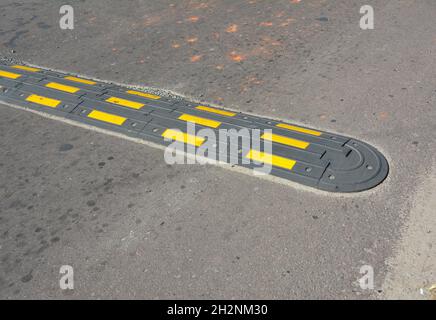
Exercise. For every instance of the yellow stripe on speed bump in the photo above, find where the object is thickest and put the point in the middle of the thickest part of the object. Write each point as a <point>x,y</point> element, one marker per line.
<point>62,87</point>
<point>183,137</point>
<point>80,80</point>
<point>25,68</point>
<point>285,140</point>
<point>106,117</point>
<point>299,129</point>
<point>217,111</point>
<point>143,94</point>
<point>273,160</point>
<point>200,121</point>
<point>125,103</point>
<point>48,102</point>
<point>9,75</point>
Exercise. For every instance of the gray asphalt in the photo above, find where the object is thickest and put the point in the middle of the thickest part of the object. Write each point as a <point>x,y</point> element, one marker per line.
<point>133,227</point>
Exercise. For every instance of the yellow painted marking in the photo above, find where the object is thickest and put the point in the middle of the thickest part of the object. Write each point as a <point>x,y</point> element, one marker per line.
<point>199,120</point>
<point>298,129</point>
<point>143,94</point>
<point>52,103</point>
<point>285,140</point>
<point>62,87</point>
<point>217,111</point>
<point>273,160</point>
<point>25,68</point>
<point>183,137</point>
<point>125,103</point>
<point>106,117</point>
<point>80,80</point>
<point>9,75</point>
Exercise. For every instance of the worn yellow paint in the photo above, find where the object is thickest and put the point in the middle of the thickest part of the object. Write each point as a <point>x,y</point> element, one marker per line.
<point>80,80</point>
<point>143,94</point>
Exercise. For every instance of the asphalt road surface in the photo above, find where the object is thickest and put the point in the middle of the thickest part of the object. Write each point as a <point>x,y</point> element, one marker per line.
<point>132,226</point>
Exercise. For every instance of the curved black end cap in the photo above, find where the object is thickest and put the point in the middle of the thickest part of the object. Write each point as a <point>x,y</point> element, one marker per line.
<point>363,167</point>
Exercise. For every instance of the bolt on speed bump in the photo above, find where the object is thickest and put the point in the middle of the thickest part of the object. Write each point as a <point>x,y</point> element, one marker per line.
<point>307,156</point>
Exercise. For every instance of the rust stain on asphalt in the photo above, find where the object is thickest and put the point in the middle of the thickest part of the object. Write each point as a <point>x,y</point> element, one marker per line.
<point>232,28</point>
<point>201,5</point>
<point>193,19</point>
<point>266,24</point>
<point>287,22</point>
<point>196,58</point>
<point>236,57</point>
<point>192,40</point>
<point>149,21</point>
<point>383,115</point>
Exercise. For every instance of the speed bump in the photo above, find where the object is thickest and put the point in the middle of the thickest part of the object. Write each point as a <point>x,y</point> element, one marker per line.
<point>312,157</point>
